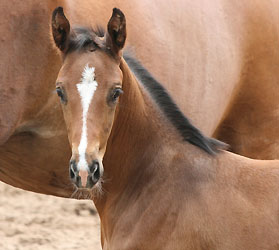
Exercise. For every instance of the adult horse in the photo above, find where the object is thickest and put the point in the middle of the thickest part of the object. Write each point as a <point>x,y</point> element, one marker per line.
<point>33,141</point>
<point>197,49</point>
<point>163,187</point>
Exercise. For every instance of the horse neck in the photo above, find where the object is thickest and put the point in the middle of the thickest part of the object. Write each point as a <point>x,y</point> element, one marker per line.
<point>137,135</point>
<point>145,158</point>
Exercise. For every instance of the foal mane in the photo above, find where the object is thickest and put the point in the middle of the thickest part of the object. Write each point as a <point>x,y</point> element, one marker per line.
<point>160,95</point>
<point>82,37</point>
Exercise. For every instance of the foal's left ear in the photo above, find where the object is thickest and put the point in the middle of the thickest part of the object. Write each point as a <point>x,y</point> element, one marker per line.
<point>116,36</point>
<point>60,28</point>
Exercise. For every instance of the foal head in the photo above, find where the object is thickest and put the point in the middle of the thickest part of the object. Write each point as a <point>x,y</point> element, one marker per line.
<point>89,85</point>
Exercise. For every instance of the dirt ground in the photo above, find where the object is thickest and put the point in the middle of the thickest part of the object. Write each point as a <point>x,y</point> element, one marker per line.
<point>30,221</point>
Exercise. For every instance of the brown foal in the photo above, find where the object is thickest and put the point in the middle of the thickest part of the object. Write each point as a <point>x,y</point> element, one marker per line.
<point>164,185</point>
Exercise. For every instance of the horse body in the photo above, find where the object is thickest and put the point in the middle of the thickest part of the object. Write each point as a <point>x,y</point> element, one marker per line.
<point>255,98</point>
<point>34,146</point>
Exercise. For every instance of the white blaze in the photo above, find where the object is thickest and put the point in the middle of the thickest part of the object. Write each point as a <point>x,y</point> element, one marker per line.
<point>86,89</point>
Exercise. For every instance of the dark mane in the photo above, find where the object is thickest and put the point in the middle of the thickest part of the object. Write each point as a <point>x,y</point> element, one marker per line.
<point>82,37</point>
<point>188,132</point>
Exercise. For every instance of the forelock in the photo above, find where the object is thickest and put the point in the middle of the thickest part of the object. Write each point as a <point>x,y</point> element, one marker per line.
<point>83,37</point>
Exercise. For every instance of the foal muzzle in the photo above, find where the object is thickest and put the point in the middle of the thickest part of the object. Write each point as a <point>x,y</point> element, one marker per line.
<point>85,178</point>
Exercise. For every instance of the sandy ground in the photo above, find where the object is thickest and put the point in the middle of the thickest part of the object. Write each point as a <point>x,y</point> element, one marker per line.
<point>32,221</point>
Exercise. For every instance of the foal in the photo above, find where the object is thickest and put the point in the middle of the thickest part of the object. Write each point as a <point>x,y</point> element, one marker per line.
<point>166,186</point>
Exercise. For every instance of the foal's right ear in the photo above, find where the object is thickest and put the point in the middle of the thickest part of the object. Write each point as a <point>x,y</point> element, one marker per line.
<point>60,28</point>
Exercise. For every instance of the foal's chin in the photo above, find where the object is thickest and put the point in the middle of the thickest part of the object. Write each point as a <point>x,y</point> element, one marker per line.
<point>88,193</point>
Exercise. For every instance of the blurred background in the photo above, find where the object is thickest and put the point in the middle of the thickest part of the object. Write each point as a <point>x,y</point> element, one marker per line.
<point>30,221</point>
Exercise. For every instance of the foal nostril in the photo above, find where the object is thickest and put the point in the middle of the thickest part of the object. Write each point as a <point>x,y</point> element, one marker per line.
<point>85,178</point>
<point>95,175</point>
<point>72,174</point>
<point>93,167</point>
<point>73,169</point>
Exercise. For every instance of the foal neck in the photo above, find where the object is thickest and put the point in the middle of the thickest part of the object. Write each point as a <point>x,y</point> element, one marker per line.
<point>136,131</point>
<point>144,160</point>
<point>136,135</point>
<point>141,141</point>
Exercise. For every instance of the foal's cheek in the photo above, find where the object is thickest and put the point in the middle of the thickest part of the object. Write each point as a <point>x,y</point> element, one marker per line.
<point>107,130</point>
<point>107,127</point>
<point>73,128</point>
<point>110,119</point>
<point>68,124</point>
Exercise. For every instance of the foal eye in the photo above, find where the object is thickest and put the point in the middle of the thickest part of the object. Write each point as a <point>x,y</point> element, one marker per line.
<point>60,93</point>
<point>115,94</point>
